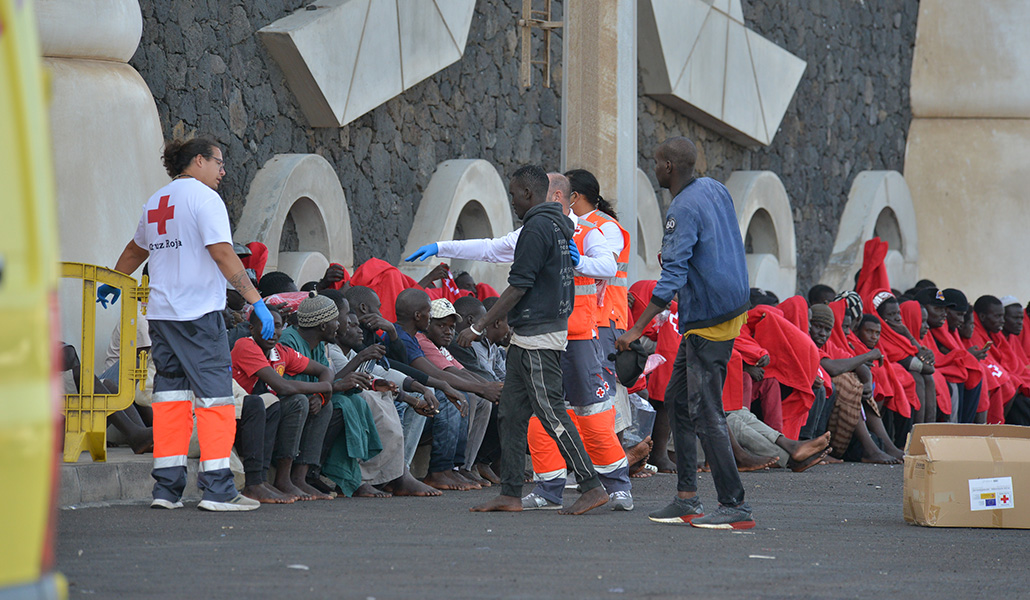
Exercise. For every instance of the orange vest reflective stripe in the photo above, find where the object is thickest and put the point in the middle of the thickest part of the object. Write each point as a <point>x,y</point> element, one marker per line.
<point>616,304</point>
<point>583,320</point>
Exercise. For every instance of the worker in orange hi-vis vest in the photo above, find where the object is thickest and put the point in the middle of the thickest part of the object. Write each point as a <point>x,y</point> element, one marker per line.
<point>588,396</point>
<point>184,231</point>
<point>587,203</point>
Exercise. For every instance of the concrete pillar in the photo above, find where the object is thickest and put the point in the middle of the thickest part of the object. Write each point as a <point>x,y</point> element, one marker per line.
<point>599,100</point>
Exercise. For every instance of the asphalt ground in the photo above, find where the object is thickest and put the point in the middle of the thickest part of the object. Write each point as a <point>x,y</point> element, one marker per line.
<point>832,532</point>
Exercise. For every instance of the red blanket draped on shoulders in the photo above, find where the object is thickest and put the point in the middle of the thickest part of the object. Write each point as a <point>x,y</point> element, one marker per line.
<point>873,276</point>
<point>793,361</point>
<point>888,389</point>
<point>838,347</point>
<point>912,316</point>
<point>484,291</point>
<point>386,280</point>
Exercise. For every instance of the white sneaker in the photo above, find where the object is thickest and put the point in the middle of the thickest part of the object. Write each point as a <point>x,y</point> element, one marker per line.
<point>621,501</point>
<point>240,502</point>
<point>534,501</point>
<point>162,503</point>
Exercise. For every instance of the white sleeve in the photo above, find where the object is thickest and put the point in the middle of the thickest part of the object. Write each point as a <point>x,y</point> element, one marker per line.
<point>213,220</point>
<point>597,261</point>
<point>613,235</point>
<point>140,237</point>
<point>496,250</point>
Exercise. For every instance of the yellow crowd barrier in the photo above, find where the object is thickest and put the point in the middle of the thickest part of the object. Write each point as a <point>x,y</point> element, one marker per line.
<point>85,413</point>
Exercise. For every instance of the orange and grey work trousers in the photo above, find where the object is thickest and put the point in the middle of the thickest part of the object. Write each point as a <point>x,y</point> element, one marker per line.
<point>193,373</point>
<point>590,406</point>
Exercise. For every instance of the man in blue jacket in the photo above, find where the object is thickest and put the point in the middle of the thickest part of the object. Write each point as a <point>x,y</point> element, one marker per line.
<point>703,262</point>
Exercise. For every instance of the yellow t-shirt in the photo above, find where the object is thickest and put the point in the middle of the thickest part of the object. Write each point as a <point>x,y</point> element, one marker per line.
<point>727,330</point>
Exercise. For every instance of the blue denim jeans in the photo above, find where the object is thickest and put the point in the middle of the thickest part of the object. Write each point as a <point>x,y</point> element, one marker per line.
<point>447,429</point>
<point>412,425</point>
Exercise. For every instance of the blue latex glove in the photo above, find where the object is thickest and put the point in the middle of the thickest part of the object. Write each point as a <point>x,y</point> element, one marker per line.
<point>106,290</point>
<point>574,253</point>
<point>424,252</point>
<point>267,322</point>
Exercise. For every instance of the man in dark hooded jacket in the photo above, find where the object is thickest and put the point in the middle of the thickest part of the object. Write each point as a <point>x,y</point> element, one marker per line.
<point>538,300</point>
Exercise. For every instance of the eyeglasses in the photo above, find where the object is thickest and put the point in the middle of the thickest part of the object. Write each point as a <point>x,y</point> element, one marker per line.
<point>221,163</point>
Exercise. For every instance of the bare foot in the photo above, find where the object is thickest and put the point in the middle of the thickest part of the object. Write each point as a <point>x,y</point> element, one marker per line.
<point>461,477</point>
<point>474,478</point>
<point>271,490</point>
<point>406,485</point>
<point>829,460</point>
<point>367,491</point>
<point>890,449</point>
<point>641,471</point>
<point>803,465</point>
<point>589,500</point>
<point>747,462</point>
<point>310,492</point>
<point>287,489</point>
<point>881,458</point>
<point>262,495</point>
<point>800,451</point>
<point>487,473</point>
<point>501,504</point>
<point>766,462</point>
<point>663,462</point>
<point>639,452</point>
<point>443,480</point>
<point>704,468</point>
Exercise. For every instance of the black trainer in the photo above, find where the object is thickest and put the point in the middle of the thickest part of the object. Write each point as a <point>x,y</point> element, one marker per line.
<point>680,512</point>
<point>727,517</point>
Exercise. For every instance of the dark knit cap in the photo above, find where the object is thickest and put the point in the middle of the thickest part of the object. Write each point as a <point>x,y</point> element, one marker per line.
<point>822,315</point>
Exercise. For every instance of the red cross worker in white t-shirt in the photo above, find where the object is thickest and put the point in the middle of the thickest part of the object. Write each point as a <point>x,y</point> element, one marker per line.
<point>184,232</point>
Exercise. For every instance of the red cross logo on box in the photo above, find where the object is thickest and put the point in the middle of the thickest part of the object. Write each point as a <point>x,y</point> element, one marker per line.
<point>1004,499</point>
<point>161,215</point>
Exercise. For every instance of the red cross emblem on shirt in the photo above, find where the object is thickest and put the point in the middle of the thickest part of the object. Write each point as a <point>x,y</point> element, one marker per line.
<point>1004,499</point>
<point>161,215</point>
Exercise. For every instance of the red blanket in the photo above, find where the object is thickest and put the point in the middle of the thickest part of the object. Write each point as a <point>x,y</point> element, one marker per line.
<point>895,345</point>
<point>838,346</point>
<point>386,280</point>
<point>873,276</point>
<point>1002,364</point>
<point>733,389</point>
<point>665,335</point>
<point>912,315</point>
<point>346,277</point>
<point>888,389</point>
<point>1024,335</point>
<point>484,291</point>
<point>958,364</point>
<point>257,259</point>
<point>794,362</point>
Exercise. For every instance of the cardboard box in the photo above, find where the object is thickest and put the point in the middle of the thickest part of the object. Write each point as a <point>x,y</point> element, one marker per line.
<point>968,476</point>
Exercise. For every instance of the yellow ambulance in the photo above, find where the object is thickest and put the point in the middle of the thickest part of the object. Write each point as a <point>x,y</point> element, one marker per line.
<point>30,409</point>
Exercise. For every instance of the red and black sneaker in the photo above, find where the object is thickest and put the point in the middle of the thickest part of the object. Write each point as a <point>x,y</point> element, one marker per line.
<point>727,517</point>
<point>680,512</point>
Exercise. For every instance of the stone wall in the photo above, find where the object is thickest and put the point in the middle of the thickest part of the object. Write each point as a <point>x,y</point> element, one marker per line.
<point>850,113</point>
<point>210,74</point>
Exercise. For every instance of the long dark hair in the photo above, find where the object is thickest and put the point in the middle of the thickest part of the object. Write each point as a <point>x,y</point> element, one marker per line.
<point>178,153</point>
<point>583,182</point>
